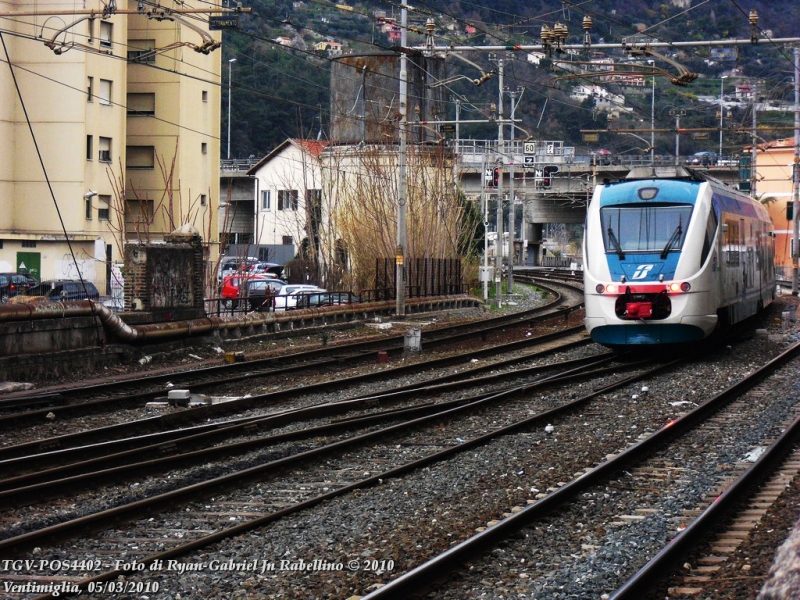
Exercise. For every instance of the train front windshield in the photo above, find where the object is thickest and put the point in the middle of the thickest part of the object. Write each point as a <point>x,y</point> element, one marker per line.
<point>636,228</point>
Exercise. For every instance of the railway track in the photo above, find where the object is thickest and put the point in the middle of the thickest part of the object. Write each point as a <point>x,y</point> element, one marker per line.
<point>65,401</point>
<point>401,453</point>
<point>643,483</point>
<point>70,454</point>
<point>385,503</point>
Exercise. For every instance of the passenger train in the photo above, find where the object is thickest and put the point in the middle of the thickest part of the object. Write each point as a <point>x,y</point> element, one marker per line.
<point>670,260</point>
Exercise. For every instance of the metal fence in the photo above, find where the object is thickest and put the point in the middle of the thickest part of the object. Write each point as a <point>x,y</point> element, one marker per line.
<point>424,277</point>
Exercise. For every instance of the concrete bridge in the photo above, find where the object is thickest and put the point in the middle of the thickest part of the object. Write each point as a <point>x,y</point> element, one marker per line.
<point>551,184</point>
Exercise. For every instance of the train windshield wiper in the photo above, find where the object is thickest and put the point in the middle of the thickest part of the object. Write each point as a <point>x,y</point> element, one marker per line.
<point>672,240</point>
<point>615,243</point>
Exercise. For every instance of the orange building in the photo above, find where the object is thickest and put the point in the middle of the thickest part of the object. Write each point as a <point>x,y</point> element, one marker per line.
<point>774,188</point>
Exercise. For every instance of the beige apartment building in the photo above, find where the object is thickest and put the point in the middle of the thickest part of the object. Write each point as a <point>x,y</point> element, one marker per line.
<point>109,133</point>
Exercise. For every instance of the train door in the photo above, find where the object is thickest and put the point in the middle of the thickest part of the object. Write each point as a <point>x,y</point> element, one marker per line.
<point>732,266</point>
<point>747,263</point>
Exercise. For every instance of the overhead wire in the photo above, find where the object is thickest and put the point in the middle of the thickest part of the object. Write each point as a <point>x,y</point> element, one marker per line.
<point>529,85</point>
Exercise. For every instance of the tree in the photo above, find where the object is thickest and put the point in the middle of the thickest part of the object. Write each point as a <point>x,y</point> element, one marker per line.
<point>363,183</point>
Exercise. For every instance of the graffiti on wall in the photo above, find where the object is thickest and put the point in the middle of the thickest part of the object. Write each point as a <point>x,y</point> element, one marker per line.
<point>171,278</point>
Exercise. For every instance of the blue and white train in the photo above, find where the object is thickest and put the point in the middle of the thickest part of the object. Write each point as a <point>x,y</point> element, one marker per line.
<point>669,260</point>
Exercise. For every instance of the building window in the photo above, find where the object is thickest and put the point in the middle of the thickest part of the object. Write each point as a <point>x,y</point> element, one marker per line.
<point>205,96</point>
<point>104,151</point>
<point>138,216</point>
<point>265,200</point>
<point>287,199</point>
<point>28,244</point>
<point>1,244</point>
<point>287,240</point>
<point>103,207</point>
<point>203,200</point>
<point>106,33</point>
<point>204,148</point>
<point>140,157</point>
<point>90,89</point>
<point>89,147</point>
<point>142,51</point>
<point>87,207</point>
<point>141,104</point>
<point>104,93</point>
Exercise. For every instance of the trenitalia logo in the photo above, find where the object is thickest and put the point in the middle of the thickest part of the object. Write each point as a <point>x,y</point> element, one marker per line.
<point>642,271</point>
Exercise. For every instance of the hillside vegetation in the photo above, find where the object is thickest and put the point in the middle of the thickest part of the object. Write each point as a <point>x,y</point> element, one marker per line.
<point>282,91</point>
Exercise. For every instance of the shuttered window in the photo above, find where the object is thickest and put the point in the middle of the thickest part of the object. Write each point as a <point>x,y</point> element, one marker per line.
<point>142,104</point>
<point>140,157</point>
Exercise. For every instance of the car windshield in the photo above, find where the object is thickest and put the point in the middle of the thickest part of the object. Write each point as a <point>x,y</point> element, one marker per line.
<point>644,228</point>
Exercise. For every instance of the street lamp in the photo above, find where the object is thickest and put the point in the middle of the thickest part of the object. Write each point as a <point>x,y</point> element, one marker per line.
<point>721,110</point>
<point>230,64</point>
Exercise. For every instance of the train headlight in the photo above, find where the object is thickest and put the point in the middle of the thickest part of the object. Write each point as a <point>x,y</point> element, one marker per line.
<point>611,288</point>
<point>676,287</point>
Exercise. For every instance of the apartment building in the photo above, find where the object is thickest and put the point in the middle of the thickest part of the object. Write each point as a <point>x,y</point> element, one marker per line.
<point>109,118</point>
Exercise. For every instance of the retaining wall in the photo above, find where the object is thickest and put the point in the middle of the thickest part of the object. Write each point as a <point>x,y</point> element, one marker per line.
<point>52,344</point>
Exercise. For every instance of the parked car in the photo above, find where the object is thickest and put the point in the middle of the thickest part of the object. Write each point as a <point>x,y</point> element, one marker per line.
<point>260,293</point>
<point>267,268</point>
<point>228,265</point>
<point>318,299</point>
<point>14,284</point>
<point>233,285</point>
<point>61,290</point>
<point>286,299</point>
<point>271,295</point>
<point>704,158</point>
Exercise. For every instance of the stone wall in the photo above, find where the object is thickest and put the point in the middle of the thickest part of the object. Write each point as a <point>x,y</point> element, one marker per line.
<point>166,279</point>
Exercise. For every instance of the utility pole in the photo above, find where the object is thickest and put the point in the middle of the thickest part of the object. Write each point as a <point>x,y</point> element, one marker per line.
<point>230,64</point>
<point>721,109</point>
<point>458,119</point>
<point>796,174</point>
<point>500,148</point>
<point>512,206</point>
<point>678,114</point>
<point>653,120</point>
<point>485,207</point>
<point>754,147</point>
<point>400,279</point>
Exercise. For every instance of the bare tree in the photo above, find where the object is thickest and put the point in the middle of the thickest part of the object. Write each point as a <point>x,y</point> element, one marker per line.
<point>364,186</point>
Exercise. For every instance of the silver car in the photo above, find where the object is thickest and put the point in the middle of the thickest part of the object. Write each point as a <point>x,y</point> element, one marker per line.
<point>286,298</point>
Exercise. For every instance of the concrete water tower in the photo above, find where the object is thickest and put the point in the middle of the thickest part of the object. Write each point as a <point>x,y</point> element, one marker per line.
<point>365,98</point>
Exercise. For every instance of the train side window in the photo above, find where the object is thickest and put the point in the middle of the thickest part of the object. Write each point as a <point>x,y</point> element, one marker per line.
<point>731,242</point>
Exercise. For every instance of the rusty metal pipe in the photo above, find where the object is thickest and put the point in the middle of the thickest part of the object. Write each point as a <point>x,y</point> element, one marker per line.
<point>114,324</point>
<point>158,331</point>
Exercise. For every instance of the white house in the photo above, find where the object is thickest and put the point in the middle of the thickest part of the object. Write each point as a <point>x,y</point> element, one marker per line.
<point>288,202</point>
<point>603,99</point>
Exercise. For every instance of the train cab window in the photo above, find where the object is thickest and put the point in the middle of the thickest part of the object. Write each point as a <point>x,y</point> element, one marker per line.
<point>635,228</point>
<point>708,240</point>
